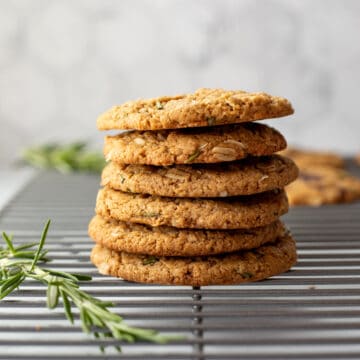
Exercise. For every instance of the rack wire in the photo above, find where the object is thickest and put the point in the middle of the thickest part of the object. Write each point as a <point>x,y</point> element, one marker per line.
<point>311,312</point>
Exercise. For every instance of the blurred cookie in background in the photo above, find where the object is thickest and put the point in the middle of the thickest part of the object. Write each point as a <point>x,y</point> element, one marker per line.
<point>357,159</point>
<point>310,158</point>
<point>323,179</point>
<point>319,185</point>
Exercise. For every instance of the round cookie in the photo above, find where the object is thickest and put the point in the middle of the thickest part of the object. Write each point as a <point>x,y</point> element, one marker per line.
<point>201,145</point>
<point>306,158</point>
<point>205,107</point>
<point>230,213</point>
<point>318,185</point>
<point>241,267</point>
<point>249,176</point>
<point>169,241</point>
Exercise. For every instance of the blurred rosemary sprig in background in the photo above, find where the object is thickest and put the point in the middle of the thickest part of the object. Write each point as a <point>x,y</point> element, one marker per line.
<point>74,157</point>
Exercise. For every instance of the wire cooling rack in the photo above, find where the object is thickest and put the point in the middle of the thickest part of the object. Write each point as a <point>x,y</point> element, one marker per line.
<point>311,312</point>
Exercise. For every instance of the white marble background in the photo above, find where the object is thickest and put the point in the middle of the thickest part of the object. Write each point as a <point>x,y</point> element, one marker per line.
<point>62,62</point>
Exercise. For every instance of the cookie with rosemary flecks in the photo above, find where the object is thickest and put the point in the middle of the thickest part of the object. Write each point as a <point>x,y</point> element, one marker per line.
<point>235,268</point>
<point>191,146</point>
<point>170,241</point>
<point>205,107</point>
<point>242,212</point>
<point>244,177</point>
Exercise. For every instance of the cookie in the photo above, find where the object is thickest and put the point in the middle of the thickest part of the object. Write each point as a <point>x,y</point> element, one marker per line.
<point>241,267</point>
<point>357,159</point>
<point>205,107</point>
<point>248,176</point>
<point>323,185</point>
<point>201,145</point>
<point>229,213</point>
<point>305,158</point>
<point>169,241</point>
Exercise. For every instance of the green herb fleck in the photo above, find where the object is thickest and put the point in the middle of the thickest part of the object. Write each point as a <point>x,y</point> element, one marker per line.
<point>150,260</point>
<point>246,275</point>
<point>150,214</point>
<point>122,179</point>
<point>195,154</point>
<point>159,105</point>
<point>211,121</point>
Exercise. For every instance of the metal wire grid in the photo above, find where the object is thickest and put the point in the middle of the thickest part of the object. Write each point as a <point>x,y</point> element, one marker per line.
<point>311,312</point>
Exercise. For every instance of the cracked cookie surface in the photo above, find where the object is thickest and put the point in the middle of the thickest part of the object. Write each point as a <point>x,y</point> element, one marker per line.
<point>205,107</point>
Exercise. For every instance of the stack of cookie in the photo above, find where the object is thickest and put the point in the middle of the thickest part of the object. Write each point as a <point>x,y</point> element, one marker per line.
<point>193,195</point>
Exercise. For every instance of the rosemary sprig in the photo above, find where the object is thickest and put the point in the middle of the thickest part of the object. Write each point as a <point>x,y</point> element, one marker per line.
<point>64,158</point>
<point>19,263</point>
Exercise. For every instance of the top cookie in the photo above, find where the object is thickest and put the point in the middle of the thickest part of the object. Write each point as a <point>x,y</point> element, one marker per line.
<point>205,107</point>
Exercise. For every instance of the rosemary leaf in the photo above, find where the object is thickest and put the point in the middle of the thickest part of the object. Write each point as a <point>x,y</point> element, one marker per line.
<point>12,282</point>
<point>9,286</point>
<point>67,306</point>
<point>8,240</point>
<point>52,296</point>
<point>41,245</point>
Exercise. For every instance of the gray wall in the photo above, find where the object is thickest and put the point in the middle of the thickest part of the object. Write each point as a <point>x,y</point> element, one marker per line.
<point>63,62</point>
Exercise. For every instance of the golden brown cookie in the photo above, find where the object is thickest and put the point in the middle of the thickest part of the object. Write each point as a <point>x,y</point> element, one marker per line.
<point>241,267</point>
<point>169,241</point>
<point>245,177</point>
<point>206,107</point>
<point>201,145</point>
<point>306,158</point>
<point>323,185</point>
<point>228,213</point>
